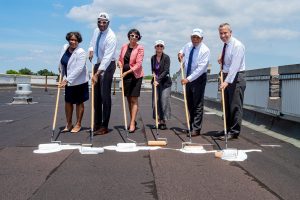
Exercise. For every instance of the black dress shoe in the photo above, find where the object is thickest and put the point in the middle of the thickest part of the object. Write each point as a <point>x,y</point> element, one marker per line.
<point>162,127</point>
<point>219,134</point>
<point>193,134</point>
<point>229,137</point>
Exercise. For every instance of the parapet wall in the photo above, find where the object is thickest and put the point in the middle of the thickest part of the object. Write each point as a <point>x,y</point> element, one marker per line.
<point>13,80</point>
<point>272,95</point>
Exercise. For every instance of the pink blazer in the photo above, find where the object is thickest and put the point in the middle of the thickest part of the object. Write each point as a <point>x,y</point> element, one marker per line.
<point>136,59</point>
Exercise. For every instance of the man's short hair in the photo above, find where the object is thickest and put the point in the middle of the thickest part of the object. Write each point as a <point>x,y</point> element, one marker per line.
<point>225,24</point>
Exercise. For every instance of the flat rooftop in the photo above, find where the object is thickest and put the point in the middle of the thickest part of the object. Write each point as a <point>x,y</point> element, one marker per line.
<point>165,173</point>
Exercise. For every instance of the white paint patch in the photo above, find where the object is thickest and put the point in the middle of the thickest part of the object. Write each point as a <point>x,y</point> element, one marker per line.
<point>240,156</point>
<point>56,147</point>
<point>48,148</point>
<point>91,150</point>
<point>111,148</point>
<point>130,147</point>
<point>148,148</point>
<point>270,145</point>
<point>209,113</point>
<point>126,147</point>
<point>6,121</point>
<point>34,102</point>
<point>193,150</point>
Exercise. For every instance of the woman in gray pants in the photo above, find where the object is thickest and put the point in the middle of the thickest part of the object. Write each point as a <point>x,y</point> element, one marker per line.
<point>160,64</point>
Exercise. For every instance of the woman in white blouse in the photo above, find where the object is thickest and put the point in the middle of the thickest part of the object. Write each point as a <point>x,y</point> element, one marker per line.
<point>75,79</point>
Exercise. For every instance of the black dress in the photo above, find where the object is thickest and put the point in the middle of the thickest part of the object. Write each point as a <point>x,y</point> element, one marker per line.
<point>132,85</point>
<point>76,94</point>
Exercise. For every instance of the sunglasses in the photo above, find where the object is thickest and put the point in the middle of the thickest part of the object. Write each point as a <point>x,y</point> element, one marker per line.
<point>161,46</point>
<point>75,40</point>
<point>134,36</point>
<point>102,22</point>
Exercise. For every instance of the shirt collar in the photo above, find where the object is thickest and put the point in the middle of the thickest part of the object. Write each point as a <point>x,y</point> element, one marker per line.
<point>230,41</point>
<point>196,47</point>
<point>104,31</point>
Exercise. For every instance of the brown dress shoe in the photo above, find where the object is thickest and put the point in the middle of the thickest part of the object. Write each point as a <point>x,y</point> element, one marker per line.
<point>101,131</point>
<point>229,137</point>
<point>194,134</point>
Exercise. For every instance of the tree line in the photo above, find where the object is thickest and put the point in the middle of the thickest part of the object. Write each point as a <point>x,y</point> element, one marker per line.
<point>26,71</point>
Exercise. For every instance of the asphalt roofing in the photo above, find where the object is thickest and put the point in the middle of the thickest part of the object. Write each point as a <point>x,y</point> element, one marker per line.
<point>160,174</point>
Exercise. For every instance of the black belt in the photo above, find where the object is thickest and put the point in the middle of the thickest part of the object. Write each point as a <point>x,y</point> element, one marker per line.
<point>241,72</point>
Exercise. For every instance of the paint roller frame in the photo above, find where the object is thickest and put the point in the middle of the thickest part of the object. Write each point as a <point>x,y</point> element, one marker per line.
<point>52,141</point>
<point>149,143</point>
<point>190,143</point>
<point>159,141</point>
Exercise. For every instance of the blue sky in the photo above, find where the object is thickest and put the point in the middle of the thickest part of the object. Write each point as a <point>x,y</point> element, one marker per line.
<point>32,32</point>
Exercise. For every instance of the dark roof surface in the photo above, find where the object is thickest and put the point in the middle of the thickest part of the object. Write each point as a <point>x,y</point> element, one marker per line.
<point>161,174</point>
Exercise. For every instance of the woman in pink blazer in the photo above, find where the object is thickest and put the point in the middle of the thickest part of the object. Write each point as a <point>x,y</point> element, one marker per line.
<point>130,60</point>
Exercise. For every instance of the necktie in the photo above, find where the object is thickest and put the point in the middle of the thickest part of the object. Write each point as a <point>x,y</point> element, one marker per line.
<point>97,44</point>
<point>223,54</point>
<point>189,67</point>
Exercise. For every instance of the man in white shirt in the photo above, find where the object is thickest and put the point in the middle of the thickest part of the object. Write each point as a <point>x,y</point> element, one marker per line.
<point>233,66</point>
<point>103,46</point>
<point>195,55</point>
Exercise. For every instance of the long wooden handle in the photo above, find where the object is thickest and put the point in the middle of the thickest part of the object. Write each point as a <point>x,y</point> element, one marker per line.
<point>223,102</point>
<point>184,96</point>
<point>57,101</point>
<point>123,99</point>
<point>155,100</point>
<point>92,102</point>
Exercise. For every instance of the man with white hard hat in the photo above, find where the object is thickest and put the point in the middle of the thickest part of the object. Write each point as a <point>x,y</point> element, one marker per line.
<point>103,47</point>
<point>195,55</point>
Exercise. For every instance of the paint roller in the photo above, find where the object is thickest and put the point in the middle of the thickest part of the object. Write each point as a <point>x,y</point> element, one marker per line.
<point>188,145</point>
<point>230,153</point>
<point>158,140</point>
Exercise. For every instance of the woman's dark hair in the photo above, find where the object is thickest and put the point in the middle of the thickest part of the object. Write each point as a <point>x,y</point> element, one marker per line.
<point>135,31</point>
<point>76,34</point>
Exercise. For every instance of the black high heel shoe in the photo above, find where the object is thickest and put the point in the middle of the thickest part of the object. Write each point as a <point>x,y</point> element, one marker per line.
<point>132,131</point>
<point>135,124</point>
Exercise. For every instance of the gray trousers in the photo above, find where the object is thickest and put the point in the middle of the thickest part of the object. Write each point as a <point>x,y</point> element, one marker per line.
<point>163,102</point>
<point>195,100</point>
<point>234,97</point>
<point>102,98</point>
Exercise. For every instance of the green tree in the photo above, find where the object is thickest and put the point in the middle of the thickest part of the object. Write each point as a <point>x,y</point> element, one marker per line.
<point>148,77</point>
<point>45,72</point>
<point>11,72</point>
<point>25,71</point>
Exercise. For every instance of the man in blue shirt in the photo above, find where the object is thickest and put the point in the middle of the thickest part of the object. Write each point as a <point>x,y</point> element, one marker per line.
<point>195,55</point>
<point>103,46</point>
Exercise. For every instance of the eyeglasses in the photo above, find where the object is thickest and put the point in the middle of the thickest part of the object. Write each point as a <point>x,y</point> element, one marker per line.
<point>102,22</point>
<point>134,36</point>
<point>161,46</point>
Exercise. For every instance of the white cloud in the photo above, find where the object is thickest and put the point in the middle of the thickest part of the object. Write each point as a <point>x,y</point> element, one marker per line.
<point>283,34</point>
<point>173,21</point>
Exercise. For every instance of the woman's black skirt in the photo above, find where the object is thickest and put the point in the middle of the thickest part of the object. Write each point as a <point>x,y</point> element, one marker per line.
<point>132,86</point>
<point>77,94</point>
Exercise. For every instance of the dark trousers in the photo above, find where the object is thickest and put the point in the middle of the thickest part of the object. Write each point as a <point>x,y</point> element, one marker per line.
<point>102,92</point>
<point>195,100</point>
<point>234,97</point>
